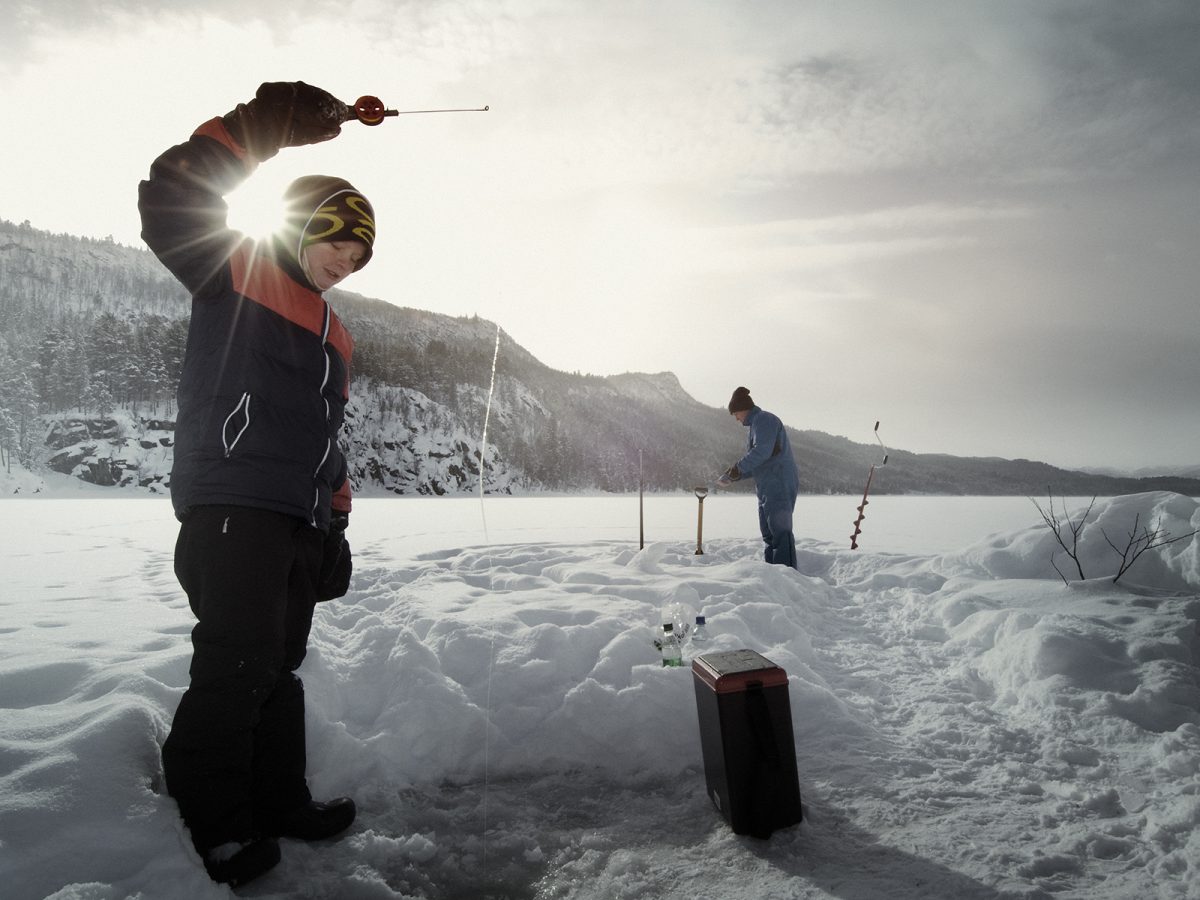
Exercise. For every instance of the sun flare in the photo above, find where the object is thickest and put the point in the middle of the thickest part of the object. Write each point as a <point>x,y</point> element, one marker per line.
<point>255,209</point>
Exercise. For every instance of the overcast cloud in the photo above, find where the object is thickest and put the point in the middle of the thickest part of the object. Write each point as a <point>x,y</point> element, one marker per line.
<point>976,222</point>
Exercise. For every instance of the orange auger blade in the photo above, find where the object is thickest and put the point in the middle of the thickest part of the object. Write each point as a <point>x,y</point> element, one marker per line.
<point>862,508</point>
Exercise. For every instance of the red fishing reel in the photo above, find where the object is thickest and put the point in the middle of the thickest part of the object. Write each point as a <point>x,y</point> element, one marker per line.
<point>371,111</point>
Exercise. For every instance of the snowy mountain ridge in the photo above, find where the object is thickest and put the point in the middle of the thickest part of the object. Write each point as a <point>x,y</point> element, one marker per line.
<point>93,340</point>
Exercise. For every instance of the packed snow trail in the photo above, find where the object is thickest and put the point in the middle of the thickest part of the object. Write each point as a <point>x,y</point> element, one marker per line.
<point>560,760</point>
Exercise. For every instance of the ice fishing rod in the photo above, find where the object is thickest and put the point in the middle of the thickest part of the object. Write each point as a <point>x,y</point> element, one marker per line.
<point>371,111</point>
<point>863,506</point>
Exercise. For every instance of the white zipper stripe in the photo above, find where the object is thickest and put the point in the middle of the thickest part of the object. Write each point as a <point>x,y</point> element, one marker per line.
<point>324,381</point>
<point>243,404</point>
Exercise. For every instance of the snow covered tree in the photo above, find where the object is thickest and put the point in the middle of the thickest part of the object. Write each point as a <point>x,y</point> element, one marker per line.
<point>18,408</point>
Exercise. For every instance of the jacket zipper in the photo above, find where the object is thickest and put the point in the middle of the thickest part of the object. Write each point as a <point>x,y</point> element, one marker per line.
<point>243,405</point>
<point>324,381</point>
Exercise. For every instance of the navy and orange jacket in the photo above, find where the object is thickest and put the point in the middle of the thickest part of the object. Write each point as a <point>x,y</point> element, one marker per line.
<point>267,369</point>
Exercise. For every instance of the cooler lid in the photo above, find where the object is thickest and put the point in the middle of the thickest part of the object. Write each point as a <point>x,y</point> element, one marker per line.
<point>737,670</point>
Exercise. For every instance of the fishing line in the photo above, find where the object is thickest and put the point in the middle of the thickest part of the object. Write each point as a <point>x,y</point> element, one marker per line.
<point>487,715</point>
<point>483,440</point>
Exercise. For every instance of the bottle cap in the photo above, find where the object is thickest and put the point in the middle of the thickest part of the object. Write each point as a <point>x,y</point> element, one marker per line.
<point>699,620</point>
<point>667,626</point>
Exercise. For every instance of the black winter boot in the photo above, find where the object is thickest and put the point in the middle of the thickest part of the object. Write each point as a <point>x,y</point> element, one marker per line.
<point>316,821</point>
<point>236,863</point>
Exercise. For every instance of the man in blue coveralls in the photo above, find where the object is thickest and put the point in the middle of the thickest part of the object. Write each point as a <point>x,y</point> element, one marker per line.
<point>770,463</point>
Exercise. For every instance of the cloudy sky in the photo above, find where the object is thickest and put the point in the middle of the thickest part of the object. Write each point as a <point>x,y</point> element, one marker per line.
<point>975,222</point>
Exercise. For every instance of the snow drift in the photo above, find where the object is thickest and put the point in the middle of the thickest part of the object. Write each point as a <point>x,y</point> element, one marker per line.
<point>965,724</point>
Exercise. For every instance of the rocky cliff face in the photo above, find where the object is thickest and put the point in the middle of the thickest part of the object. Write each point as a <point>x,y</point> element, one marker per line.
<point>112,451</point>
<point>125,451</point>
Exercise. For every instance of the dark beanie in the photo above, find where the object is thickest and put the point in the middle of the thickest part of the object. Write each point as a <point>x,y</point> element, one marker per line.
<point>321,208</point>
<point>740,400</point>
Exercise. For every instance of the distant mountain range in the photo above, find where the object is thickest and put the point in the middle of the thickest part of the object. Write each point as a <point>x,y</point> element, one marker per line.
<point>1145,472</point>
<point>92,339</point>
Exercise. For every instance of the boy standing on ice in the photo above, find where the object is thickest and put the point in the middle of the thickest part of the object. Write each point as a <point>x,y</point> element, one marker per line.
<point>259,484</point>
<point>770,462</point>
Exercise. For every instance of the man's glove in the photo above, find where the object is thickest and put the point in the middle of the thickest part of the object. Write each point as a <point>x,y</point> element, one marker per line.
<point>733,474</point>
<point>336,565</point>
<point>285,114</point>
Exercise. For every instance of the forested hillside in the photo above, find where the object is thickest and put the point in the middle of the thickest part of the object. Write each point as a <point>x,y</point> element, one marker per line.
<point>92,336</point>
<point>92,344</point>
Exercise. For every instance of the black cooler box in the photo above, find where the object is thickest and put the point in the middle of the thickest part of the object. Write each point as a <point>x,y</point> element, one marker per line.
<point>746,738</point>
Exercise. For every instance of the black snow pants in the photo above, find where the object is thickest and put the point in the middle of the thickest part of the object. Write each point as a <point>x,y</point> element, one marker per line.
<point>235,758</point>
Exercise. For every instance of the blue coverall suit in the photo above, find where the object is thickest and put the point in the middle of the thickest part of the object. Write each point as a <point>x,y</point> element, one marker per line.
<point>770,463</point>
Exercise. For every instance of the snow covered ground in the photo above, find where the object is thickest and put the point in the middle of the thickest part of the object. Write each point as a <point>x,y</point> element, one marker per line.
<point>966,726</point>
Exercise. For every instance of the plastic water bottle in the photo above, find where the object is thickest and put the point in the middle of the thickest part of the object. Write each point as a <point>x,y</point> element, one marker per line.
<point>671,654</point>
<point>697,641</point>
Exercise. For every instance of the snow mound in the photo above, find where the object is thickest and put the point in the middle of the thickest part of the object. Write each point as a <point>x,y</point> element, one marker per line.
<point>1029,552</point>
